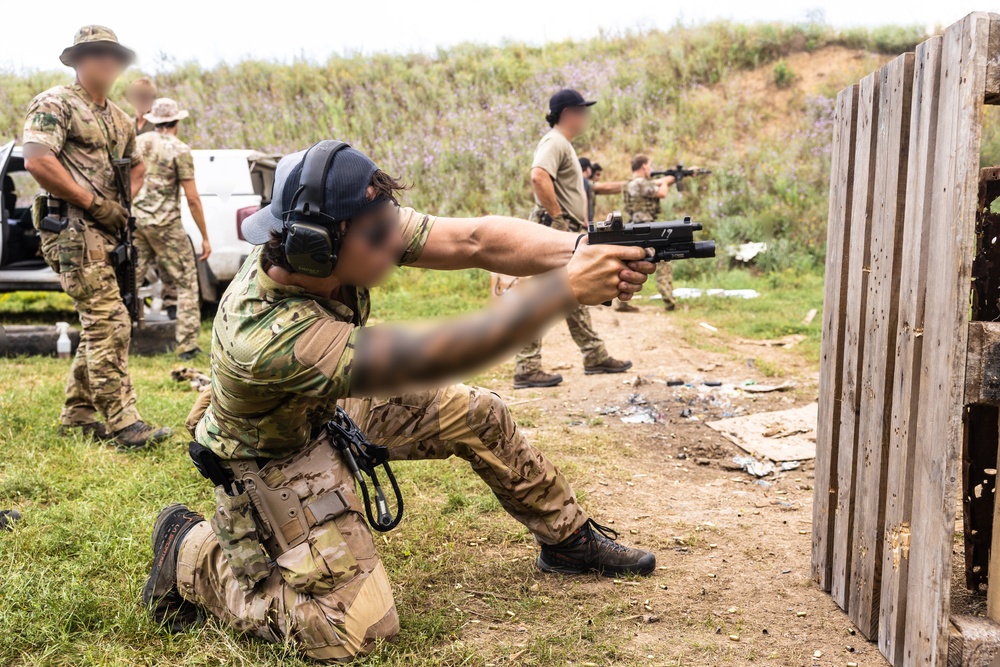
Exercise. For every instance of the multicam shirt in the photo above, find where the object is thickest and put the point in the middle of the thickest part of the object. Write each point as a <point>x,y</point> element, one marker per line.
<point>168,162</point>
<point>83,136</point>
<point>641,202</point>
<point>281,358</point>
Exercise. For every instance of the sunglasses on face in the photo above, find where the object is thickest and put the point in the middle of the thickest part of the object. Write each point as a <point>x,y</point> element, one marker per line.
<point>97,51</point>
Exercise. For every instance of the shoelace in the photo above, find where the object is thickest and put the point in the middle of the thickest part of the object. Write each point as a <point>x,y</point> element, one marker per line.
<point>607,533</point>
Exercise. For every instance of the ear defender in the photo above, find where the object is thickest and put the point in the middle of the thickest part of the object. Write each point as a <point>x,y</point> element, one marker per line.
<point>312,239</point>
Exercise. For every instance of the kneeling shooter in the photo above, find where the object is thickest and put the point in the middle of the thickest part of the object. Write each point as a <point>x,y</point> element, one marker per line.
<point>288,555</point>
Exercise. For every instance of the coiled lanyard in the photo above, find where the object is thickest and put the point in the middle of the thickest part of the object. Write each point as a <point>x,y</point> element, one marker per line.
<point>362,457</point>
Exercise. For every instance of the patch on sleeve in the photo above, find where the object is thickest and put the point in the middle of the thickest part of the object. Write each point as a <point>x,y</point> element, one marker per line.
<point>326,347</point>
<point>415,228</point>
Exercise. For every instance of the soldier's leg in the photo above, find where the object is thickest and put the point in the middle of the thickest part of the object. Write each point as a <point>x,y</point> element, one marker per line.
<point>146,253</point>
<point>104,339</point>
<point>175,262</point>
<point>582,330</point>
<point>330,595</point>
<point>529,359</point>
<point>665,284</point>
<point>474,424</point>
<point>78,410</point>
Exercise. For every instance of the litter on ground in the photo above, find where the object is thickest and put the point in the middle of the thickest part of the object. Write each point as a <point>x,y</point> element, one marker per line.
<point>695,293</point>
<point>793,433</point>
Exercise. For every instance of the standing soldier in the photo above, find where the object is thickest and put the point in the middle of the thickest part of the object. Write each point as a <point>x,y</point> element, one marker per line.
<point>159,234</point>
<point>71,136</point>
<point>140,94</point>
<point>561,203</point>
<point>642,197</point>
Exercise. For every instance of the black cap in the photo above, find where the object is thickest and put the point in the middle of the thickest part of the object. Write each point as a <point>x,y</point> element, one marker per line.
<point>345,194</point>
<point>565,98</point>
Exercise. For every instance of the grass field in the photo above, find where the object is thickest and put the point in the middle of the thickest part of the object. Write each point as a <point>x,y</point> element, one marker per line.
<point>71,573</point>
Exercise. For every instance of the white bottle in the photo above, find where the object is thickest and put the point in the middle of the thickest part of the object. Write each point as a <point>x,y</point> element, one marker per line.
<point>63,344</point>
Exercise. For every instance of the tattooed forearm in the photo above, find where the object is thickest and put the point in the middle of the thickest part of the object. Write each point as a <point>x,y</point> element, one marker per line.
<point>389,358</point>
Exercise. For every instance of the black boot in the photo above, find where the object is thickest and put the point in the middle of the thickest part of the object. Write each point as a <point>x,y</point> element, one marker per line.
<point>160,595</point>
<point>592,548</point>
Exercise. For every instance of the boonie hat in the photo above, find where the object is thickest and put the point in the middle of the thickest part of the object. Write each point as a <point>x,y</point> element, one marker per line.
<point>345,193</point>
<point>566,98</point>
<point>96,35</point>
<point>165,110</point>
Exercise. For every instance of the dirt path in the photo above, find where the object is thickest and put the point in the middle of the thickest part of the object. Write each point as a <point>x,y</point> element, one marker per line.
<point>734,584</point>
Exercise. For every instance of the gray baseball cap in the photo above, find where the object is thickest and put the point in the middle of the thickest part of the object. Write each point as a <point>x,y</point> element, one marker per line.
<point>345,192</point>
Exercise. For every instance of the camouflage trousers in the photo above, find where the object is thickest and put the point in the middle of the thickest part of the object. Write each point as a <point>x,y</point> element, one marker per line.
<point>169,248</point>
<point>99,382</point>
<point>529,359</point>
<point>331,595</point>
<point>665,284</point>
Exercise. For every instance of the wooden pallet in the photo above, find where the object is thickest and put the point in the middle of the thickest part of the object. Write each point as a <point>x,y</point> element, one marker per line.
<point>901,242</point>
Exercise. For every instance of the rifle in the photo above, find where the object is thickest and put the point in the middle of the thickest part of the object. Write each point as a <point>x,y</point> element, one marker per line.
<point>670,240</point>
<point>124,257</point>
<point>679,174</point>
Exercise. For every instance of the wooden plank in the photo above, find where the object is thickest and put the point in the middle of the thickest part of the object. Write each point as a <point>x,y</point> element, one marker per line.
<point>993,63</point>
<point>942,383</point>
<point>878,364</point>
<point>982,381</point>
<point>832,348</point>
<point>857,293</point>
<point>906,376</point>
<point>973,641</point>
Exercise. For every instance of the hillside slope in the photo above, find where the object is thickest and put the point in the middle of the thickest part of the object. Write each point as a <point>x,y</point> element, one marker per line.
<point>752,102</point>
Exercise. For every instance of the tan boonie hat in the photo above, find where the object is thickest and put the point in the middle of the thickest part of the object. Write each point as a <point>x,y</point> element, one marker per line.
<point>165,110</point>
<point>96,35</point>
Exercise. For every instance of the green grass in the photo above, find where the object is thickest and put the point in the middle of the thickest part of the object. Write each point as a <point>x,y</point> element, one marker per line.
<point>71,573</point>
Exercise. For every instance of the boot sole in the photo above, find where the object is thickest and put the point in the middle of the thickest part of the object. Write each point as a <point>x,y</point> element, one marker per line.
<point>531,385</point>
<point>147,589</point>
<point>174,621</point>
<point>603,371</point>
<point>609,571</point>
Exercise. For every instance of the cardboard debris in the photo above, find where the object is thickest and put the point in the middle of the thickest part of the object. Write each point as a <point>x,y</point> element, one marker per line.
<point>766,388</point>
<point>793,439</point>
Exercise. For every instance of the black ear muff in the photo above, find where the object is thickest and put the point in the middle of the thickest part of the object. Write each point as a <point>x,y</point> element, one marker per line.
<point>312,239</point>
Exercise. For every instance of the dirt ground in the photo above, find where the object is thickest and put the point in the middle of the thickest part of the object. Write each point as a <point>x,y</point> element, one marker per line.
<point>733,583</point>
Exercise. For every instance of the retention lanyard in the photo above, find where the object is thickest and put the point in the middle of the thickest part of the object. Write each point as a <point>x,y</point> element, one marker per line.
<point>362,457</point>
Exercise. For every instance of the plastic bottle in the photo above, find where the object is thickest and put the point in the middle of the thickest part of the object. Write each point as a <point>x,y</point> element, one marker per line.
<point>63,345</point>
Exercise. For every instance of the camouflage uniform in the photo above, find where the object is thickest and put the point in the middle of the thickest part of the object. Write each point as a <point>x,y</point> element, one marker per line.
<point>281,363</point>
<point>529,359</point>
<point>160,235</point>
<point>84,137</point>
<point>642,205</point>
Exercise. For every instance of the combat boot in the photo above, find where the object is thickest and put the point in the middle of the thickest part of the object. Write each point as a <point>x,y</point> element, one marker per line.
<point>593,548</point>
<point>537,378</point>
<point>189,355</point>
<point>160,595</point>
<point>140,434</point>
<point>609,365</point>
<point>94,430</point>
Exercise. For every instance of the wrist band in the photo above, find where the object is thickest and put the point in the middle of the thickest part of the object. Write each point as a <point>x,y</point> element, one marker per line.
<point>578,239</point>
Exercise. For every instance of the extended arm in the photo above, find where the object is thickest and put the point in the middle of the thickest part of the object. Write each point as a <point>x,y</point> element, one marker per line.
<point>198,213</point>
<point>665,184</point>
<point>545,191</point>
<point>43,165</point>
<point>388,357</point>
<point>496,243</point>
<point>137,175</point>
<point>608,187</point>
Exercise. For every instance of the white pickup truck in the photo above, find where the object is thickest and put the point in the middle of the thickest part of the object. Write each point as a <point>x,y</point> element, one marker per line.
<point>232,183</point>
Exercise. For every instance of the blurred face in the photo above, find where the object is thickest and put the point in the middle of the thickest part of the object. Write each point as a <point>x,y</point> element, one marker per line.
<point>371,249</point>
<point>97,69</point>
<point>575,119</point>
<point>141,99</point>
<point>587,173</point>
<point>647,169</point>
<point>596,176</point>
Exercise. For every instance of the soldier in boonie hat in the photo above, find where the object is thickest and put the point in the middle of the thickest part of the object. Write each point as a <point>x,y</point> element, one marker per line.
<point>96,40</point>
<point>165,110</point>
